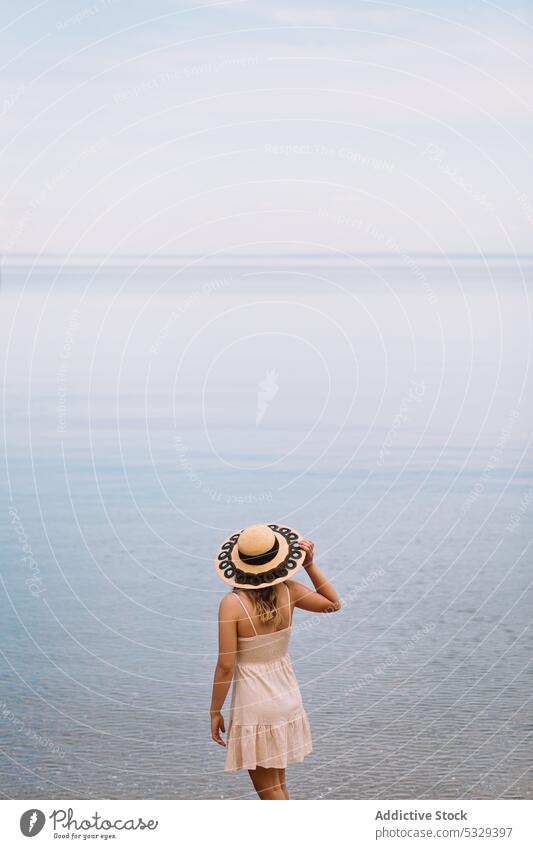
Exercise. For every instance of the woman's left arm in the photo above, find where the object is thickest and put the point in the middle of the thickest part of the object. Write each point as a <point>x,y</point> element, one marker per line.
<point>227,649</point>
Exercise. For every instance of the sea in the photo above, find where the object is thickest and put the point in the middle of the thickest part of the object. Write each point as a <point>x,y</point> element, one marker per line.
<point>381,406</point>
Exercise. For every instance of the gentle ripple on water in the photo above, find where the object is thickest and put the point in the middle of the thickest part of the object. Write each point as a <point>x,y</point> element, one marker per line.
<point>420,687</point>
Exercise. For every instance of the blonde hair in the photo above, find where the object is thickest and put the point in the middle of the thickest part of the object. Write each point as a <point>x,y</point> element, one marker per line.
<point>264,604</point>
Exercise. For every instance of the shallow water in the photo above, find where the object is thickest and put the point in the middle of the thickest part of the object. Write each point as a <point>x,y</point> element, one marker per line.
<point>150,415</point>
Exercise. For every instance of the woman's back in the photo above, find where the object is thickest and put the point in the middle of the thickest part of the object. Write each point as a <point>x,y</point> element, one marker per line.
<point>250,625</point>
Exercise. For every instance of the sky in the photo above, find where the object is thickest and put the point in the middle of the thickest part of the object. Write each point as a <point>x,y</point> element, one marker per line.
<point>248,127</point>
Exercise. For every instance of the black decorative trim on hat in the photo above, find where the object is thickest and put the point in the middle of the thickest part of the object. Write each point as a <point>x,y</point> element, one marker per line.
<point>282,570</point>
<point>260,559</point>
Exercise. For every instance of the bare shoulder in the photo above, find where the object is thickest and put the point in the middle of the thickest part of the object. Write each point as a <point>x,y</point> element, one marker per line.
<point>229,607</point>
<point>296,589</point>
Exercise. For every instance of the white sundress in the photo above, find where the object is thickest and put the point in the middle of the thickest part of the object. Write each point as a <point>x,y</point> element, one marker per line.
<point>268,725</point>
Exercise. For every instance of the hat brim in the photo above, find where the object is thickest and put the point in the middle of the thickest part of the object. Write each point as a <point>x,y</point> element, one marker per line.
<point>286,563</point>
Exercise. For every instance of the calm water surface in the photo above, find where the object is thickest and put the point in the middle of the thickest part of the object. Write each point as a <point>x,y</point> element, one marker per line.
<point>387,418</point>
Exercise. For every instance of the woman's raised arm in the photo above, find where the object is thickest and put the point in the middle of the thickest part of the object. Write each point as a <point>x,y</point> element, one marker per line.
<point>325,598</point>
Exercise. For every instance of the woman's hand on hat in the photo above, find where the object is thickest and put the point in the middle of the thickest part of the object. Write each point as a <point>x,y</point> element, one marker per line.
<point>217,725</point>
<point>308,548</point>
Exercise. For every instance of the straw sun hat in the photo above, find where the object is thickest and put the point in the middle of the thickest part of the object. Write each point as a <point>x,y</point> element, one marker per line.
<point>259,556</point>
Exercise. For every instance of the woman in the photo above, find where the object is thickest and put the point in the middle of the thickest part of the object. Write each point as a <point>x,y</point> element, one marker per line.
<point>268,726</point>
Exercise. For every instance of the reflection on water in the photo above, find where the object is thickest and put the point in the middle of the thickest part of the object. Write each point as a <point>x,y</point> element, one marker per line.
<point>393,429</point>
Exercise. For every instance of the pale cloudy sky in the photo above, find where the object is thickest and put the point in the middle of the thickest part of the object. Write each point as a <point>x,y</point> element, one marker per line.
<point>186,128</point>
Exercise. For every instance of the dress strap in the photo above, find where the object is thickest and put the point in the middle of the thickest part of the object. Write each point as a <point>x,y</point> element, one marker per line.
<point>289,603</point>
<point>246,611</point>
